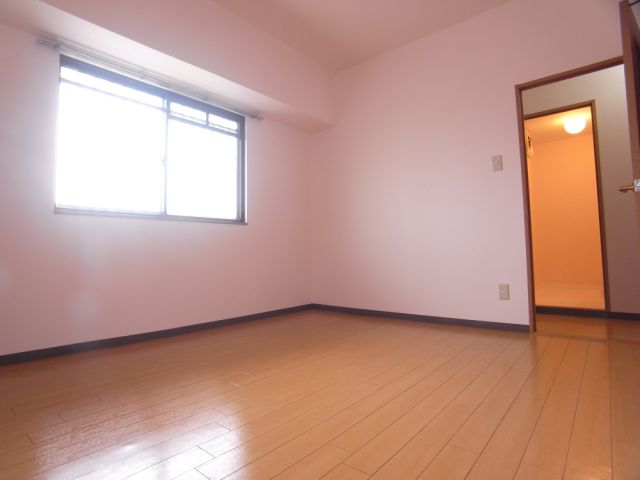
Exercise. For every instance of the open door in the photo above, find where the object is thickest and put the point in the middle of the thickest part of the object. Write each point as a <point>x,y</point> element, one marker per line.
<point>631,56</point>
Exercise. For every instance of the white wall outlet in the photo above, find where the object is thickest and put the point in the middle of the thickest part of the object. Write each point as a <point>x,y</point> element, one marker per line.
<point>503,291</point>
<point>496,161</point>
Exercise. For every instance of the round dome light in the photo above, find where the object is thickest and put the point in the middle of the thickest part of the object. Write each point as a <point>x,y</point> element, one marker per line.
<point>575,125</point>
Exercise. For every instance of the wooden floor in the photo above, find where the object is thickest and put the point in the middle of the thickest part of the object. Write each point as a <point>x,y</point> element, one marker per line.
<point>588,327</point>
<point>327,396</point>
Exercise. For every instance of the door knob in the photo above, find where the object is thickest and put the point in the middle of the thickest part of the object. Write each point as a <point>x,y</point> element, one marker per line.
<point>634,187</point>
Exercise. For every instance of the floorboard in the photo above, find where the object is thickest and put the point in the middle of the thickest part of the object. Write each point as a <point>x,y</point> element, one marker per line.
<point>327,396</point>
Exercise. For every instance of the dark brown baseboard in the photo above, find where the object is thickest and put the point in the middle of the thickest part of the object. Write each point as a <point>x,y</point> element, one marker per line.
<point>142,337</point>
<point>512,327</point>
<point>584,312</point>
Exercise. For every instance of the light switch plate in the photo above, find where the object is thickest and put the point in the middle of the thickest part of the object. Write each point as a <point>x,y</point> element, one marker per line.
<point>496,161</point>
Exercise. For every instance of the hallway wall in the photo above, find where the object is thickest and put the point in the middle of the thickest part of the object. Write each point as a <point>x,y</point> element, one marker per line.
<point>565,228</point>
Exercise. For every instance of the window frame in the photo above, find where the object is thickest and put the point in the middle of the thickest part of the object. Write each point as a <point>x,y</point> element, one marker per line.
<point>167,96</point>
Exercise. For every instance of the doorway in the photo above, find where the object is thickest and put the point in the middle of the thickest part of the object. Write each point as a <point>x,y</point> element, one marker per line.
<point>565,215</point>
<point>602,88</point>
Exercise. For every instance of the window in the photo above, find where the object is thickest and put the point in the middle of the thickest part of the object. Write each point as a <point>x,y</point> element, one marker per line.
<point>125,147</point>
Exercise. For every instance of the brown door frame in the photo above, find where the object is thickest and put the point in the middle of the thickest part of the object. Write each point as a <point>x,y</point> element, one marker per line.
<point>596,152</point>
<point>525,176</point>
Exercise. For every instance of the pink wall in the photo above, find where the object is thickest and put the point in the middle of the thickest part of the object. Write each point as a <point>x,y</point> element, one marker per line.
<point>66,279</point>
<point>408,215</point>
<point>396,208</point>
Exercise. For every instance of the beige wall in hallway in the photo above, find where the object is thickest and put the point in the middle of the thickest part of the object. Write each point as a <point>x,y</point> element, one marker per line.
<point>565,227</point>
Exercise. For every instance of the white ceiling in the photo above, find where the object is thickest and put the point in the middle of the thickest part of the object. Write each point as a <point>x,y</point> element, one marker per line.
<point>550,128</point>
<point>341,33</point>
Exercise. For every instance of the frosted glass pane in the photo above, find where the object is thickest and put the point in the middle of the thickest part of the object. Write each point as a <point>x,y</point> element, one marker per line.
<point>109,153</point>
<point>202,172</point>
<point>189,113</point>
<point>217,121</point>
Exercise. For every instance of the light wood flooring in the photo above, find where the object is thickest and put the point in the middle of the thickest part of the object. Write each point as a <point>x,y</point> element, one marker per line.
<point>320,395</point>
<point>588,327</point>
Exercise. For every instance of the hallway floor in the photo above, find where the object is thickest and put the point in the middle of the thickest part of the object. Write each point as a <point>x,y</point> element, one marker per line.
<point>588,327</point>
<point>569,296</point>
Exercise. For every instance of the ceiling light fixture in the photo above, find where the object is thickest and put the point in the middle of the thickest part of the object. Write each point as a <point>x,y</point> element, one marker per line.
<point>576,124</point>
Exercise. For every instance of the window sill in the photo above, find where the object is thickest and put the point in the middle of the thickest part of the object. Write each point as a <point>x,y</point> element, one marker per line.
<point>150,216</point>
